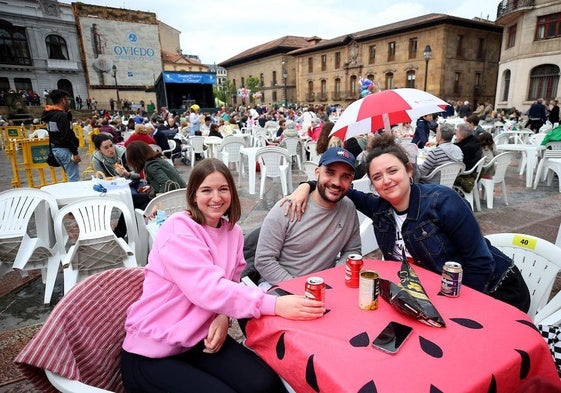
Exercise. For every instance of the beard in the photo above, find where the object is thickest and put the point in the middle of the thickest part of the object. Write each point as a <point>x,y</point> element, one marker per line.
<point>322,191</point>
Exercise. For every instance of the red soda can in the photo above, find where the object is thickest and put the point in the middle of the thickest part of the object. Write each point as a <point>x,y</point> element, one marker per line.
<point>352,270</point>
<point>315,288</point>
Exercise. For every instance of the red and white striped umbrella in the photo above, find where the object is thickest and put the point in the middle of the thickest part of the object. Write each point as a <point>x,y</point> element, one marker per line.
<point>379,110</point>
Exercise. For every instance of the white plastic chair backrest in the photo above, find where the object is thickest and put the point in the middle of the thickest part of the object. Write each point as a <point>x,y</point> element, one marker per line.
<point>412,151</point>
<point>363,184</point>
<point>272,157</point>
<point>197,143</point>
<point>156,148</point>
<point>501,163</point>
<point>260,137</point>
<point>17,207</point>
<point>501,139</point>
<point>311,147</point>
<point>554,145</point>
<point>93,217</point>
<point>172,145</point>
<point>232,144</point>
<point>309,168</point>
<point>477,168</point>
<point>213,140</point>
<point>536,139</point>
<point>291,145</point>
<point>448,172</point>
<point>171,202</point>
<point>538,261</point>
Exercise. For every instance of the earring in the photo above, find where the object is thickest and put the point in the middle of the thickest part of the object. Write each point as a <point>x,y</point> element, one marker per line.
<point>411,181</point>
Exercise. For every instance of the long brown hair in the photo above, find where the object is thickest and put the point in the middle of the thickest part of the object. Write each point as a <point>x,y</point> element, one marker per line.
<point>198,175</point>
<point>138,152</point>
<point>323,139</point>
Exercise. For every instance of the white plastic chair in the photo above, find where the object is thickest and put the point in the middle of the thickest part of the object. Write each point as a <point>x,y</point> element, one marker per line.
<point>97,248</point>
<point>274,162</point>
<point>367,236</point>
<point>309,168</point>
<point>197,146</point>
<point>292,147</point>
<point>448,173</point>
<point>549,164</point>
<point>260,137</point>
<point>172,145</point>
<point>229,151</point>
<point>27,244</point>
<point>501,163</point>
<point>311,148</point>
<point>170,202</point>
<point>538,261</point>
<point>473,196</point>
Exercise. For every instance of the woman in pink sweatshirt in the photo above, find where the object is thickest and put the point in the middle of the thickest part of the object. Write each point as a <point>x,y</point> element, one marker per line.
<point>177,332</point>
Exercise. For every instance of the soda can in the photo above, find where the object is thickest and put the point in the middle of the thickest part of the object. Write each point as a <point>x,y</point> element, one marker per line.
<point>368,290</point>
<point>451,279</point>
<point>315,288</point>
<point>352,270</point>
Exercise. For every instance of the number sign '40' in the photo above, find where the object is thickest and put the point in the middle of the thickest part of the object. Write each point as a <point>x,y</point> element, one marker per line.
<point>523,241</point>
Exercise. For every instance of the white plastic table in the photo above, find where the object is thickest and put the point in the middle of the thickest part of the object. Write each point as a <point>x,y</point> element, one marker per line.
<point>532,153</point>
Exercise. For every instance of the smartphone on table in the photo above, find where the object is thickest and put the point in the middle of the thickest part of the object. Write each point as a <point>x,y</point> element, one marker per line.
<point>392,337</point>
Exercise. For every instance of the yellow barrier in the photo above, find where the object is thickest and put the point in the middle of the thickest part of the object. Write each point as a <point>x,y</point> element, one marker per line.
<point>79,132</point>
<point>91,146</point>
<point>12,132</point>
<point>33,162</point>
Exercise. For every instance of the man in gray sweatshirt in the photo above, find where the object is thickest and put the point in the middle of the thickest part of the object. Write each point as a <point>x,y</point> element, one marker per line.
<point>328,227</point>
<point>444,152</point>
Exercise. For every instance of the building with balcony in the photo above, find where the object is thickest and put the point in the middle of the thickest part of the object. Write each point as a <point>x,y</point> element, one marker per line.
<point>462,63</point>
<point>531,52</point>
<point>39,48</point>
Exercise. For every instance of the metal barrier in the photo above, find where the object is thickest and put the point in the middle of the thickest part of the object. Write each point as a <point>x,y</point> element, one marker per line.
<point>32,160</point>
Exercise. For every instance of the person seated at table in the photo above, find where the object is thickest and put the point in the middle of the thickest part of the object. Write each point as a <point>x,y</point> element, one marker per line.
<point>282,127</point>
<point>106,128</point>
<point>109,159</point>
<point>285,249</point>
<point>403,130</point>
<point>471,149</point>
<point>445,151</point>
<point>141,133</point>
<point>432,223</point>
<point>159,173</point>
<point>489,151</point>
<point>315,129</point>
<point>473,122</point>
<point>214,131</point>
<point>177,332</point>
<point>324,137</point>
<point>422,131</point>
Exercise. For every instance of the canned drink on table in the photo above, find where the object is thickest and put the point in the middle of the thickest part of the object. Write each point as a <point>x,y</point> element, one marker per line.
<point>368,290</point>
<point>352,270</point>
<point>452,273</point>
<point>315,288</point>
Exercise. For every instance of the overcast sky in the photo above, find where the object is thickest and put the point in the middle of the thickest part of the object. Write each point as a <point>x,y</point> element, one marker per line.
<point>216,30</point>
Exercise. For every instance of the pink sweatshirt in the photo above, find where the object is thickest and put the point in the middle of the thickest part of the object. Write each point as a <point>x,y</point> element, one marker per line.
<point>192,275</point>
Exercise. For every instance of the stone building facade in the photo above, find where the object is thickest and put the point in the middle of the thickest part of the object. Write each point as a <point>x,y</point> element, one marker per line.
<point>531,52</point>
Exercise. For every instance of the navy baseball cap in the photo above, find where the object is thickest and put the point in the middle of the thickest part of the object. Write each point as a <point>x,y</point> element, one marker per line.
<point>337,154</point>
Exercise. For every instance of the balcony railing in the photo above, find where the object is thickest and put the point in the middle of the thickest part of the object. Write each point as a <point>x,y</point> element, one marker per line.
<point>505,7</point>
<point>66,65</point>
<point>322,96</point>
<point>310,97</point>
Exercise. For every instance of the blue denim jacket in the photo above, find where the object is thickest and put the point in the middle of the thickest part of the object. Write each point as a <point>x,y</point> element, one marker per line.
<point>439,227</point>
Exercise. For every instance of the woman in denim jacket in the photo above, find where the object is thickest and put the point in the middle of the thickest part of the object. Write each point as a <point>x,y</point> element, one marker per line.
<point>435,225</point>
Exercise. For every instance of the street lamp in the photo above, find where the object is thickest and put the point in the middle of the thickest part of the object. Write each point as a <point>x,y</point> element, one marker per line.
<point>114,75</point>
<point>427,54</point>
<point>284,77</point>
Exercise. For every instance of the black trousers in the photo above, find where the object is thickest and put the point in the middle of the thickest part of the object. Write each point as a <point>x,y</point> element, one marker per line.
<point>139,201</point>
<point>232,369</point>
<point>514,291</point>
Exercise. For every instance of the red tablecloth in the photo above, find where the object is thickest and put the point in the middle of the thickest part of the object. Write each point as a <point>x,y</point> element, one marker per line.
<point>487,345</point>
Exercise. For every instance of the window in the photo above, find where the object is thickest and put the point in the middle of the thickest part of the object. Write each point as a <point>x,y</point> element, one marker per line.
<point>323,62</point>
<point>274,96</point>
<point>23,84</point>
<point>477,79</point>
<point>56,47</point>
<point>511,38</point>
<point>460,46</point>
<point>274,78</point>
<point>243,81</point>
<point>481,49</point>
<point>391,51</point>
<point>389,81</point>
<point>411,79</point>
<point>323,86</point>
<point>544,80</point>
<point>310,94</point>
<point>13,46</point>
<point>549,26</point>
<point>371,54</point>
<point>337,60</point>
<point>261,80</point>
<point>353,85</point>
<point>310,64</point>
<point>4,84</point>
<point>413,48</point>
<point>457,76</point>
<point>506,84</point>
<point>338,89</point>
